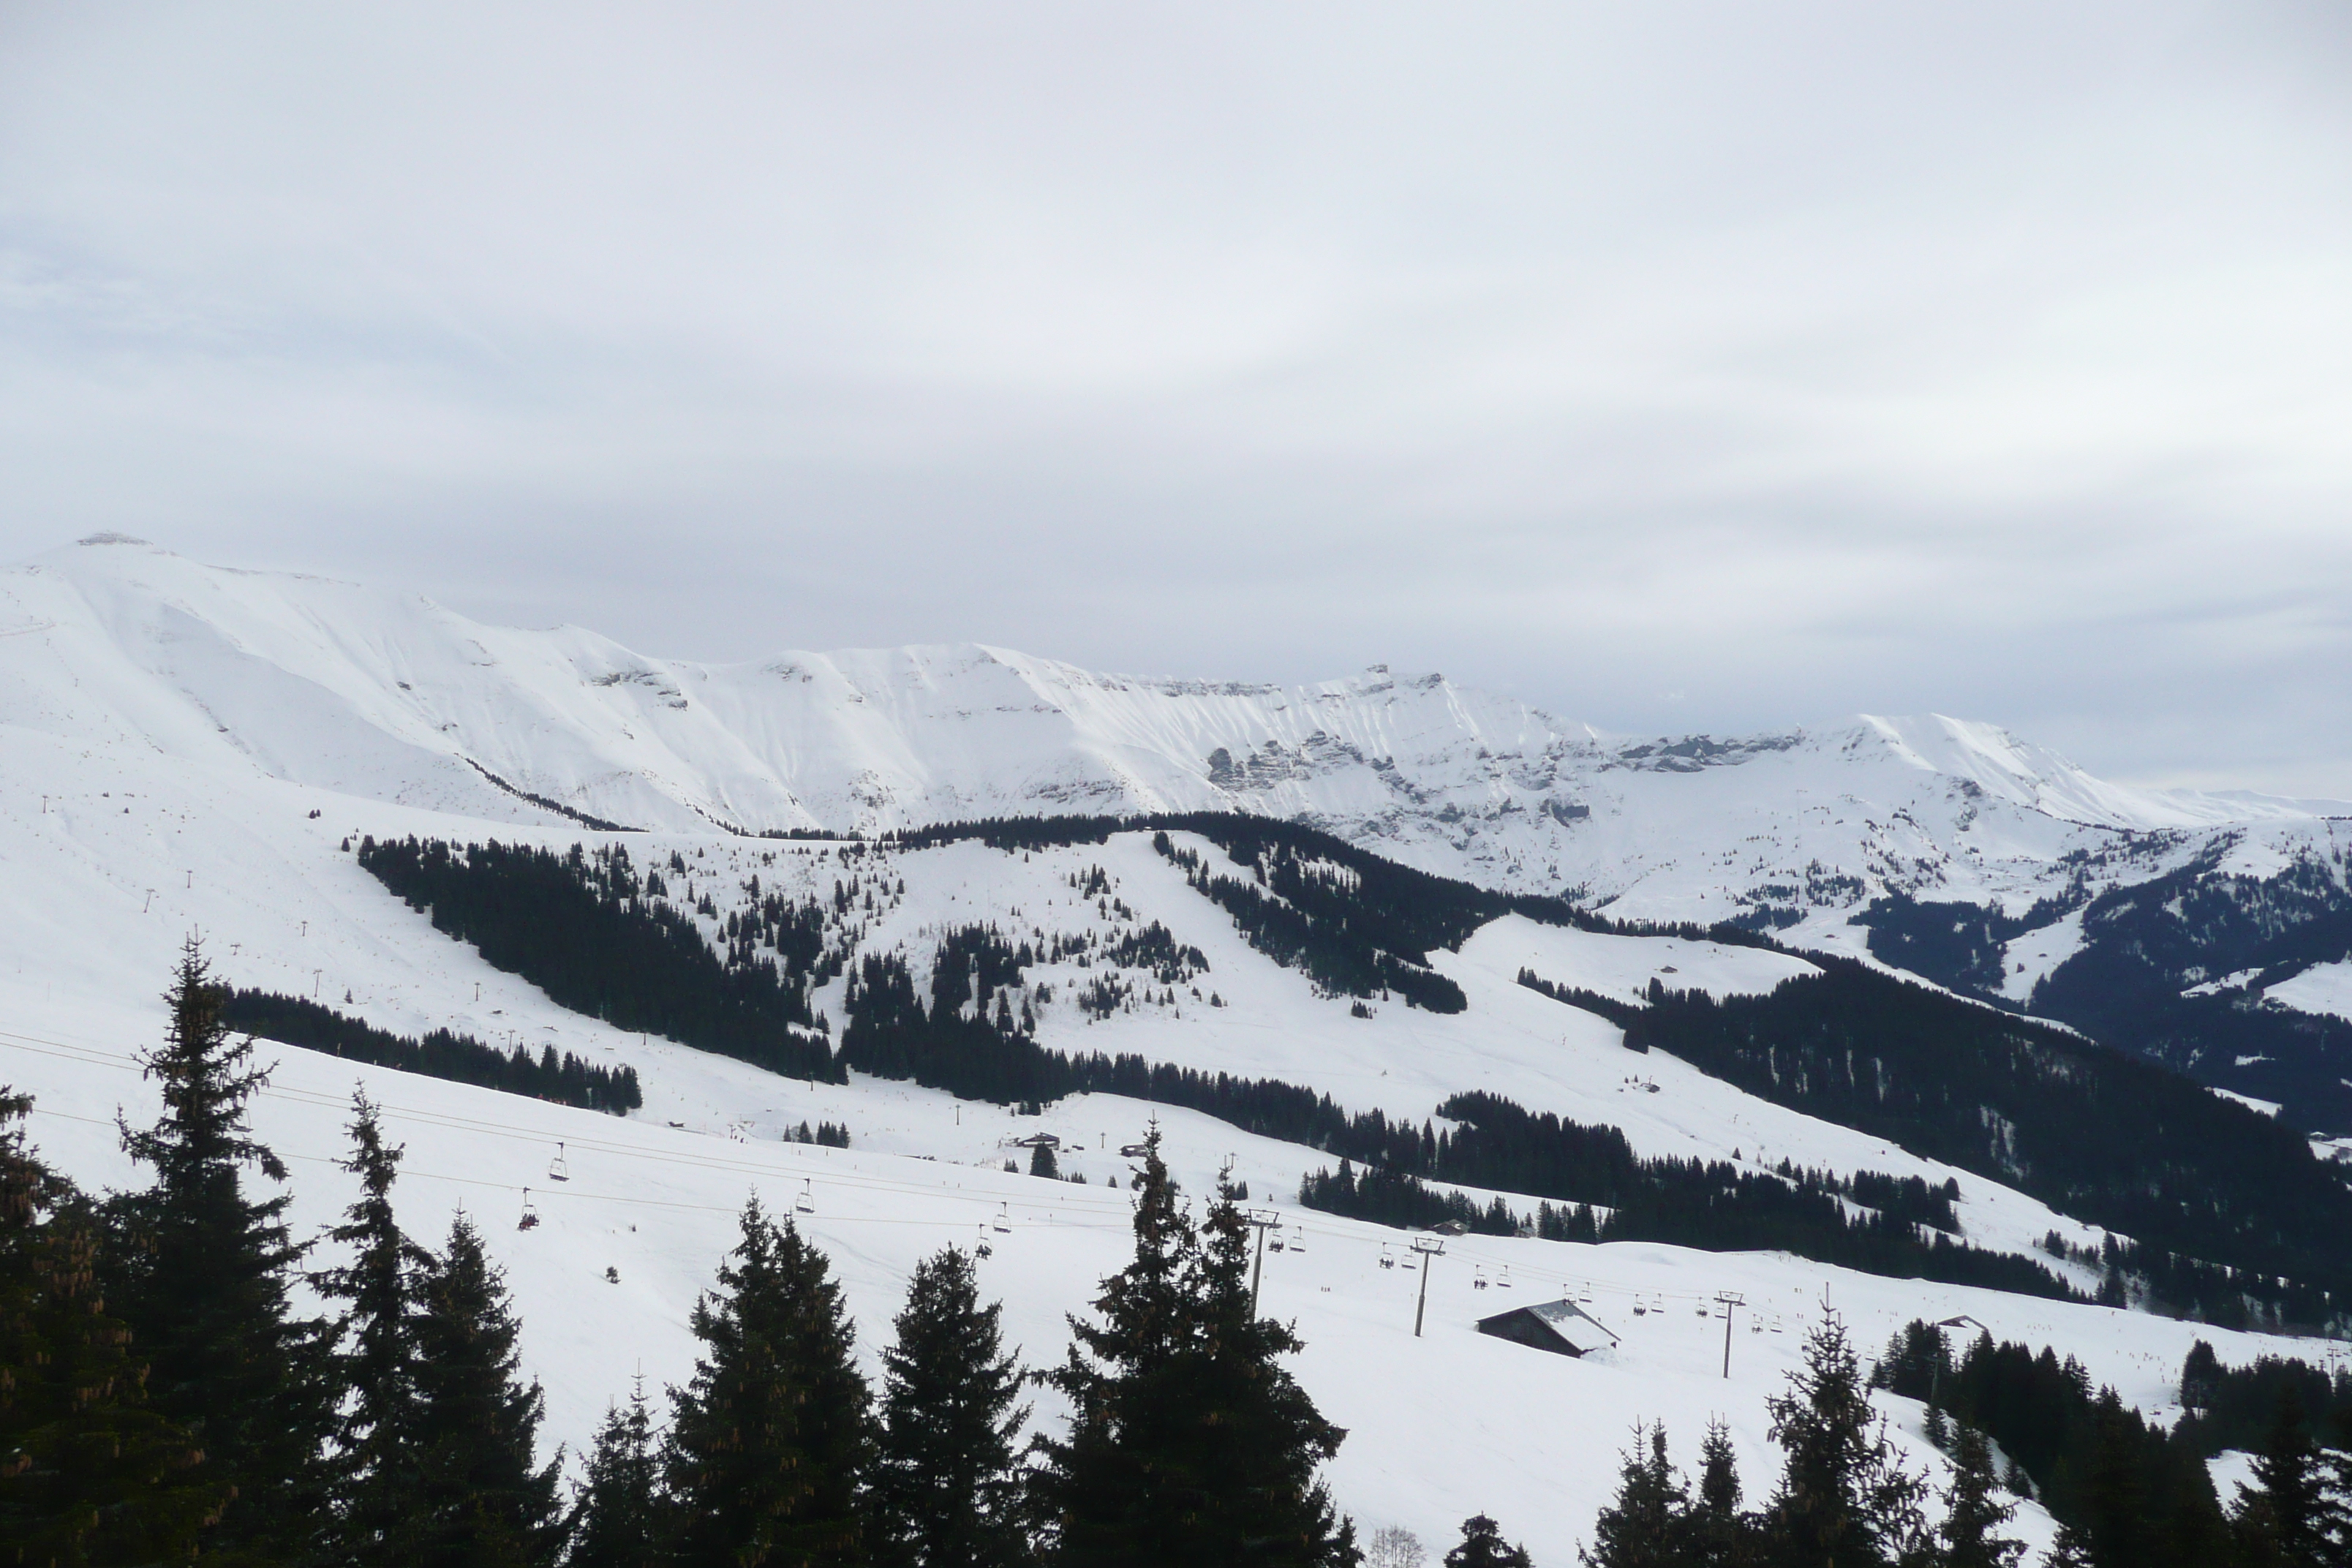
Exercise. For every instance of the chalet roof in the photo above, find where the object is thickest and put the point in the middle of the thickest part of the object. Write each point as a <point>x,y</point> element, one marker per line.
<point>1560,1326</point>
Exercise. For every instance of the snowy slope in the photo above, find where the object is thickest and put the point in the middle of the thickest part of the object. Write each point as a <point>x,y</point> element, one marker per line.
<point>169,789</point>
<point>1441,1426</point>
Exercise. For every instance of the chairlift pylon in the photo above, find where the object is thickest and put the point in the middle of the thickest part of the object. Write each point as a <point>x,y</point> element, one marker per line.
<point>559,1169</point>
<point>530,1220</point>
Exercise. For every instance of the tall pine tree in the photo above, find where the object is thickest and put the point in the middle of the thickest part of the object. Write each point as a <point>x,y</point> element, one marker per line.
<point>1482,1546</point>
<point>1720,1536</point>
<point>1642,1525</point>
<point>88,1474</point>
<point>768,1444</point>
<point>1973,1511</point>
<point>1842,1498</point>
<point>204,1281</point>
<point>948,1484</point>
<point>613,1522</point>
<point>376,1355</point>
<point>2284,1520</point>
<point>1188,1443</point>
<point>480,1500</point>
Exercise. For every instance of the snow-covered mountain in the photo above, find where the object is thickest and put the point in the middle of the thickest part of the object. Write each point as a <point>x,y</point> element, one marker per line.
<point>192,749</point>
<point>389,696</point>
<point>384,695</point>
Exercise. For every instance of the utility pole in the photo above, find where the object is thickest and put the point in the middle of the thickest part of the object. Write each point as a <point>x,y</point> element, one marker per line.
<point>1261,1221</point>
<point>1429,1247</point>
<point>1728,1299</point>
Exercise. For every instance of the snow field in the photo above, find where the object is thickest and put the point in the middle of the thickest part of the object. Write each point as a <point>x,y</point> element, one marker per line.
<point>1440,1428</point>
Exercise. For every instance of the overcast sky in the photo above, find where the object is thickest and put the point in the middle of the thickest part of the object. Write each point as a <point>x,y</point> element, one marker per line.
<point>1671,366</point>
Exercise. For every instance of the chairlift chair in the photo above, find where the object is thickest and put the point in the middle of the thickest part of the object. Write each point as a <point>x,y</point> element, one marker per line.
<point>1640,1310</point>
<point>1003,1221</point>
<point>1298,1238</point>
<point>557,1169</point>
<point>530,1220</point>
<point>1388,1259</point>
<point>1274,1242</point>
<point>982,1249</point>
<point>1477,1280</point>
<point>806,1201</point>
<point>1503,1280</point>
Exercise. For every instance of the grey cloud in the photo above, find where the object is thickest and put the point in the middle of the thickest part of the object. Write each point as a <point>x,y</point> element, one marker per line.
<point>1664,364</point>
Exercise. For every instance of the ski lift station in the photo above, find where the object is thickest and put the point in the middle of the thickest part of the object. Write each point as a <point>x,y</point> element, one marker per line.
<point>1561,1327</point>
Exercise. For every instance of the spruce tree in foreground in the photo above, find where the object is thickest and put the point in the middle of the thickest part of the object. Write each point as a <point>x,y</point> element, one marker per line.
<point>1188,1444</point>
<point>946,1489</point>
<point>768,1444</point>
<point>88,1474</point>
<point>1720,1535</point>
<point>2285,1519</point>
<point>1645,1525</point>
<point>1482,1546</point>
<point>613,1524</point>
<point>479,1500</point>
<point>202,1283</point>
<point>1842,1498</point>
<point>2068,1550</point>
<point>376,1358</point>
<point>1973,1512</point>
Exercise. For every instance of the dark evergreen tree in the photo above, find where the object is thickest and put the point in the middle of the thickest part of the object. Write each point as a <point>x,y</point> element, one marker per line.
<point>948,1483</point>
<point>768,1444</point>
<point>88,1474</point>
<point>2068,1550</point>
<point>1842,1498</point>
<point>480,1499</point>
<point>202,1282</point>
<point>376,1355</point>
<point>1643,1525</point>
<point>1042,1162</point>
<point>2113,1501</point>
<point>1188,1443</point>
<point>613,1521</point>
<point>1482,1546</point>
<point>1973,1512</point>
<point>1720,1536</point>
<point>2287,1518</point>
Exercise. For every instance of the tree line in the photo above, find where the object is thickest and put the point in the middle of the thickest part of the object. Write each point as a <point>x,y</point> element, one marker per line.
<point>585,929</point>
<point>160,1399</point>
<point>460,1058</point>
<point>2233,1219</point>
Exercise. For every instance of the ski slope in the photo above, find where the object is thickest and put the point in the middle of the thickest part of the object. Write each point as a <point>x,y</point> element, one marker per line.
<point>185,751</point>
<point>1440,1428</point>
